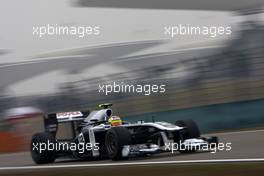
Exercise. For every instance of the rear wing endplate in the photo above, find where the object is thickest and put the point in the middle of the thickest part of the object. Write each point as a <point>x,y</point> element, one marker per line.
<point>52,120</point>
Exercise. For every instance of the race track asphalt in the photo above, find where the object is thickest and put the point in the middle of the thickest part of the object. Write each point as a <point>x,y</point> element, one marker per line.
<point>245,145</point>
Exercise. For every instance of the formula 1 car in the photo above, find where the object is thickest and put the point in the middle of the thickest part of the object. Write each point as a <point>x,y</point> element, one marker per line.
<point>95,137</point>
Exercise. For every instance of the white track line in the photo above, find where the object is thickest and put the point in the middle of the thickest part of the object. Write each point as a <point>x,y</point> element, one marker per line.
<point>133,164</point>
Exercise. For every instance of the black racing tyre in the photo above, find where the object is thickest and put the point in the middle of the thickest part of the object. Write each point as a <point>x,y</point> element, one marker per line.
<point>192,130</point>
<point>45,156</point>
<point>115,139</point>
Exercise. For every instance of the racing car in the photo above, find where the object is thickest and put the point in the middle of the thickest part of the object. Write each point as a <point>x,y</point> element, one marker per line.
<point>103,135</point>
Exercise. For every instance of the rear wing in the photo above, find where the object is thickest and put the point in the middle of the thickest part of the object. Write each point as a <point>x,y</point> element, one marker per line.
<point>52,120</point>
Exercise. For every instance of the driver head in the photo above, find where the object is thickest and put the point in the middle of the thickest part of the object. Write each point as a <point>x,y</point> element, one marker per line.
<point>115,121</point>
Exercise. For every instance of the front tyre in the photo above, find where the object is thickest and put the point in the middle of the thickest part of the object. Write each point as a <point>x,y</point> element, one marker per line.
<point>38,154</point>
<point>191,131</point>
<point>115,139</point>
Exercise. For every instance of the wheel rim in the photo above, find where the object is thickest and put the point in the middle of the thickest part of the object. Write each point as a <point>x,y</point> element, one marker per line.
<point>111,143</point>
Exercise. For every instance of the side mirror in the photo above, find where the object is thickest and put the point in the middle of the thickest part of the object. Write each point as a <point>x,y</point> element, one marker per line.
<point>94,120</point>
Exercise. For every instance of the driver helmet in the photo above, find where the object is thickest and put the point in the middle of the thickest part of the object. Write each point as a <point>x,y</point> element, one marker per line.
<point>115,121</point>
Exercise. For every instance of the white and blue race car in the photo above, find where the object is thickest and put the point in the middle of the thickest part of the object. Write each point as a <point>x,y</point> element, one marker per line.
<point>95,137</point>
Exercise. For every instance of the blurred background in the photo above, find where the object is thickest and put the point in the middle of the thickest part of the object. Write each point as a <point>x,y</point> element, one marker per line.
<point>218,82</point>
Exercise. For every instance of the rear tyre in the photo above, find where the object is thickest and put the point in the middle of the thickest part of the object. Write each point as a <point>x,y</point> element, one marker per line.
<point>44,156</point>
<point>115,139</point>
